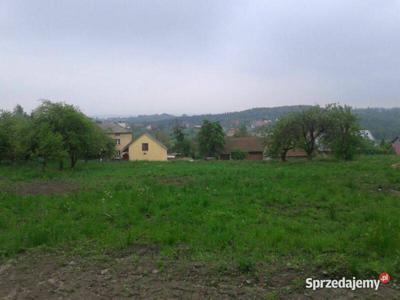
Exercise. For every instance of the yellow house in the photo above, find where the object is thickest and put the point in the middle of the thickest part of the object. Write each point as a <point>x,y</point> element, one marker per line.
<point>121,135</point>
<point>146,147</point>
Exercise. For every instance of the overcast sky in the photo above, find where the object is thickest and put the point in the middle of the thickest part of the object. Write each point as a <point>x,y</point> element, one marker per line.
<point>143,57</point>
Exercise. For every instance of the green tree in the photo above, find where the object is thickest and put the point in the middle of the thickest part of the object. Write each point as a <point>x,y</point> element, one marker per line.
<point>371,148</point>
<point>49,145</point>
<point>163,137</point>
<point>283,136</point>
<point>238,155</point>
<point>97,143</point>
<point>182,144</point>
<point>5,135</point>
<point>211,139</point>
<point>23,134</point>
<point>15,135</point>
<point>312,124</point>
<point>19,111</point>
<point>77,131</point>
<point>242,131</point>
<point>342,132</point>
<point>385,147</point>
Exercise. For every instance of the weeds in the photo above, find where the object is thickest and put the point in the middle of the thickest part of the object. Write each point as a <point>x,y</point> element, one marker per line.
<point>324,214</point>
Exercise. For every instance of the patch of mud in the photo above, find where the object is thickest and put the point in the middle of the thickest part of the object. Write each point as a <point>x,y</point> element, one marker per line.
<point>396,166</point>
<point>175,180</point>
<point>44,188</point>
<point>144,274</point>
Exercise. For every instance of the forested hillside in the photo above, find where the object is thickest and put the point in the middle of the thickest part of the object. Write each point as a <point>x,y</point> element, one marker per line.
<point>383,123</point>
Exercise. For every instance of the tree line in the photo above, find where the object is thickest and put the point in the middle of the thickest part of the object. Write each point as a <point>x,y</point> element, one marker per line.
<point>52,132</point>
<point>209,141</point>
<point>383,123</point>
<point>59,132</point>
<point>333,128</point>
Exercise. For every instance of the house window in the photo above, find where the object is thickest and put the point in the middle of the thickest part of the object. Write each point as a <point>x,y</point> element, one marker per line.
<point>117,134</point>
<point>145,147</point>
<point>118,153</point>
<point>118,141</point>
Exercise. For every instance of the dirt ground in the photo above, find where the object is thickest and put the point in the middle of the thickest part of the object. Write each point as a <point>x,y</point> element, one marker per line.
<point>41,187</point>
<point>142,274</point>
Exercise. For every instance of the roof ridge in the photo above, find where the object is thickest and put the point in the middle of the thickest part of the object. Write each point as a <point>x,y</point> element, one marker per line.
<point>150,136</point>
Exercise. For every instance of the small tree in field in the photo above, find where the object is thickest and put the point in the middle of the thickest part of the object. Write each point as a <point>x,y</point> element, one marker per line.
<point>181,143</point>
<point>97,143</point>
<point>211,139</point>
<point>5,135</point>
<point>15,135</point>
<point>48,145</point>
<point>283,137</point>
<point>312,125</point>
<point>80,136</point>
<point>342,134</point>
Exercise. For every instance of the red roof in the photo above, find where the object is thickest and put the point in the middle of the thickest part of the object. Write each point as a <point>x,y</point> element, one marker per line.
<point>245,144</point>
<point>254,144</point>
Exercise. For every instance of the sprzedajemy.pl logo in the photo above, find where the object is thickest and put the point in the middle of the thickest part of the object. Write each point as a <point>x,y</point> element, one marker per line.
<point>345,283</point>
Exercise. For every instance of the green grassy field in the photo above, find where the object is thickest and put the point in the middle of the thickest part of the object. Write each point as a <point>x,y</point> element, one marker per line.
<point>338,217</point>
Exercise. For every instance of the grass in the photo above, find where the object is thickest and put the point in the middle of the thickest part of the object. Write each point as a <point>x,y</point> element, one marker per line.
<point>337,217</point>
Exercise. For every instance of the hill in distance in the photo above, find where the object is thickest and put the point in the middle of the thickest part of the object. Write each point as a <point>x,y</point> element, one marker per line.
<point>384,123</point>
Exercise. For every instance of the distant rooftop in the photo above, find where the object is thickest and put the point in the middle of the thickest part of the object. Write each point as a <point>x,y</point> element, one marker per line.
<point>367,134</point>
<point>246,144</point>
<point>112,127</point>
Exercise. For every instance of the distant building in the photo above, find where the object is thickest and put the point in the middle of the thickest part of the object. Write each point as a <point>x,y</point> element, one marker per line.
<point>367,134</point>
<point>121,135</point>
<point>146,147</point>
<point>252,146</point>
<point>396,145</point>
<point>236,122</point>
<point>259,123</point>
<point>230,132</point>
<point>123,124</point>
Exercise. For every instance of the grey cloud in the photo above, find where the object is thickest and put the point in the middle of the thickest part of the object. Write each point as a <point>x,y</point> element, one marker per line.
<point>131,57</point>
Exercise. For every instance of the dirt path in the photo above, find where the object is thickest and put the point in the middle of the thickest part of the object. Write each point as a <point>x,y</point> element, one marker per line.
<point>145,276</point>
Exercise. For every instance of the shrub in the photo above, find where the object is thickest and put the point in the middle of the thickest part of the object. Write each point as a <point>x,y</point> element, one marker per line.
<point>238,155</point>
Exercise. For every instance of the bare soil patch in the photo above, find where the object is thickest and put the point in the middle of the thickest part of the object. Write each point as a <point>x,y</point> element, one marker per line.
<point>396,166</point>
<point>39,187</point>
<point>144,274</point>
<point>175,180</point>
